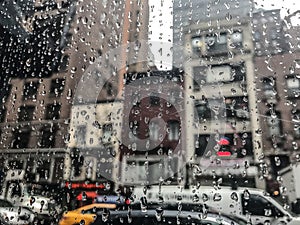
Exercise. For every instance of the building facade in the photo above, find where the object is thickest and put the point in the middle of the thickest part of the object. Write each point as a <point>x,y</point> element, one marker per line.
<point>65,41</point>
<point>220,103</point>
<point>152,149</point>
<point>193,12</point>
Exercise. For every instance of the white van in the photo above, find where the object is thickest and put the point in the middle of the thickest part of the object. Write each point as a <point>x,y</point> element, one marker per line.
<point>250,204</point>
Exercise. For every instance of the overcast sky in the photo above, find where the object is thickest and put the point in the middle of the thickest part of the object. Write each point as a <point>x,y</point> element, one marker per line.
<point>287,6</point>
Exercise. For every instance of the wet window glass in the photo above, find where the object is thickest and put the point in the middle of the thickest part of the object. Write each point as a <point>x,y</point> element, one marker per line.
<point>176,102</point>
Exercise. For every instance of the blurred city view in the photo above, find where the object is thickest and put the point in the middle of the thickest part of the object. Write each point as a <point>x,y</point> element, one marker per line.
<point>106,98</point>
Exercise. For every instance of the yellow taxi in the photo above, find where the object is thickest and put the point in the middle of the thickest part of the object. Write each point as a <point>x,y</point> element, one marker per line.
<point>84,215</point>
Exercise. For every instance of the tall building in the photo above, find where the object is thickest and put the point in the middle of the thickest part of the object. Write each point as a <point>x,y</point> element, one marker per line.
<point>65,42</point>
<point>34,121</point>
<point>277,67</point>
<point>234,56</point>
<point>220,103</point>
<point>186,13</point>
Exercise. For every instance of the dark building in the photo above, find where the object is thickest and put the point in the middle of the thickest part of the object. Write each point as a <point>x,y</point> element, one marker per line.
<point>277,60</point>
<point>43,60</point>
<point>278,88</point>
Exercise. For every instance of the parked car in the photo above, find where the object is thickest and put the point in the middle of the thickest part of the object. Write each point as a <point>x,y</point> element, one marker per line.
<point>15,215</point>
<point>251,204</point>
<point>160,216</point>
<point>86,214</point>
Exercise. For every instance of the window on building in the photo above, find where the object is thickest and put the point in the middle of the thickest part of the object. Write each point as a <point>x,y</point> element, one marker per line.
<point>5,92</point>
<point>224,73</point>
<point>107,134</point>
<point>219,74</point>
<point>203,110</point>
<point>53,111</point>
<point>109,89</point>
<point>293,86</point>
<point>216,43</point>
<point>274,124</point>
<point>47,137</point>
<point>26,113</point>
<point>80,135</point>
<point>135,98</point>
<point>237,107</point>
<point>296,121</point>
<point>64,63</point>
<point>173,130</point>
<point>57,87</point>
<point>240,144</point>
<point>30,165</point>
<point>134,128</point>
<point>154,99</point>
<point>236,39</point>
<point>279,162</point>
<point>30,90</point>
<point>16,164</point>
<point>199,75</point>
<point>269,87</point>
<point>201,142</point>
<point>21,138</point>
<point>2,114</point>
<point>238,71</point>
<point>154,130</point>
<point>16,190</point>
<point>77,161</point>
<point>43,169</point>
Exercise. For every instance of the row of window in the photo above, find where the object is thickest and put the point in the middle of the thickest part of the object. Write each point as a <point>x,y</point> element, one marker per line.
<point>31,88</point>
<point>239,144</point>
<point>40,166</point>
<point>21,138</point>
<point>217,43</point>
<point>292,84</point>
<point>274,122</point>
<point>26,113</point>
<point>81,134</point>
<point>235,107</point>
<point>224,73</point>
<point>154,131</point>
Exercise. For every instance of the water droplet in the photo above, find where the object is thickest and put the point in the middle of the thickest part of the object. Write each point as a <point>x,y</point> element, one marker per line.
<point>217,197</point>
<point>158,213</point>
<point>204,197</point>
<point>228,16</point>
<point>234,196</point>
<point>143,202</point>
<point>196,198</point>
<point>246,195</point>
